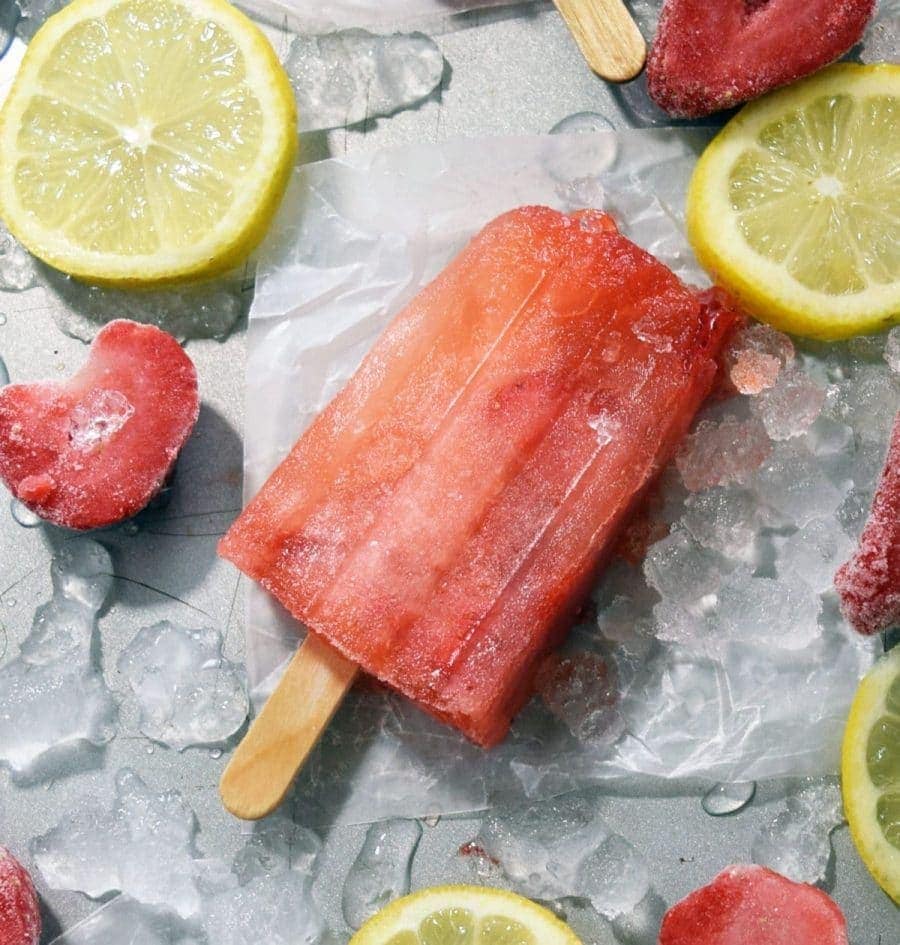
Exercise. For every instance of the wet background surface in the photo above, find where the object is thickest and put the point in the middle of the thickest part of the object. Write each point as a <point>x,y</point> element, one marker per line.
<point>507,70</point>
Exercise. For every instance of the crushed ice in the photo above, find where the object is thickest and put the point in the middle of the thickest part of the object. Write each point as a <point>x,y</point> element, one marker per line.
<point>17,266</point>
<point>54,703</point>
<point>187,692</point>
<point>797,842</point>
<point>124,920</point>
<point>353,75</point>
<point>381,871</point>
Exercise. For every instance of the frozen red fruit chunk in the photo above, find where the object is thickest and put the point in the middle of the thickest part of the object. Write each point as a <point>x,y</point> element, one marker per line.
<point>751,905</point>
<point>869,583</point>
<point>94,450</point>
<point>20,914</point>
<point>442,520</point>
<point>709,56</point>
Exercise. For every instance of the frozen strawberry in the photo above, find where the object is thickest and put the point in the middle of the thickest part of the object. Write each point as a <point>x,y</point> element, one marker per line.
<point>20,916</point>
<point>751,905</point>
<point>869,583</point>
<point>95,449</point>
<point>710,56</point>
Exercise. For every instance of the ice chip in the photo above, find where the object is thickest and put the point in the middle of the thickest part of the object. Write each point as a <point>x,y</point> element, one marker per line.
<point>797,842</point>
<point>892,350</point>
<point>381,871</point>
<point>790,405</point>
<point>139,843</point>
<point>580,690</point>
<point>815,552</point>
<point>53,702</point>
<point>717,453</point>
<point>353,75</point>
<point>97,418</point>
<point>724,519</point>
<point>123,920</point>
<point>187,692</point>
<point>782,613</point>
<point>17,265</point>
<point>793,483</point>
<point>681,569</point>
<point>615,877</point>
<point>756,356</point>
<point>723,799</point>
<point>276,845</point>
<point>676,624</point>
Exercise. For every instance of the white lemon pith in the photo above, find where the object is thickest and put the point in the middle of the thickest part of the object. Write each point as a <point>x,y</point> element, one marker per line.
<point>870,772</point>
<point>145,141</point>
<point>795,206</point>
<point>464,915</point>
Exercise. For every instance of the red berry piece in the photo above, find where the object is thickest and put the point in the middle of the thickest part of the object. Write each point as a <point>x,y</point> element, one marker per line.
<point>93,450</point>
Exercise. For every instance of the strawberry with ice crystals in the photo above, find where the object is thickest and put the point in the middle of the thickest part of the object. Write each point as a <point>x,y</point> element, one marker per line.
<point>710,56</point>
<point>20,916</point>
<point>95,449</point>
<point>869,583</point>
<point>752,905</point>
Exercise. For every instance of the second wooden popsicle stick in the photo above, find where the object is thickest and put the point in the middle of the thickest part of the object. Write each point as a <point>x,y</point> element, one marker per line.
<point>607,36</point>
<point>290,724</point>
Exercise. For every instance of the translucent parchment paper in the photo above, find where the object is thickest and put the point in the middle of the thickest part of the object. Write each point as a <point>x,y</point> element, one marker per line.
<point>355,240</point>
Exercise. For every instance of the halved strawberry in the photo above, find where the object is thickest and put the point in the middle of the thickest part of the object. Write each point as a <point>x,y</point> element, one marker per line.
<point>95,449</point>
<point>709,56</point>
<point>20,915</point>
<point>752,905</point>
<point>869,583</point>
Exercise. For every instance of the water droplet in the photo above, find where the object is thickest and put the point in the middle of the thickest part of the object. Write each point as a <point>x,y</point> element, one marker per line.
<point>149,749</point>
<point>723,799</point>
<point>11,602</point>
<point>432,821</point>
<point>582,123</point>
<point>2,318</point>
<point>23,515</point>
<point>4,374</point>
<point>216,753</point>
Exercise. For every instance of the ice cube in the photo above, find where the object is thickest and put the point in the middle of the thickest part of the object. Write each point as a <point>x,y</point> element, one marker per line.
<point>815,552</point>
<point>797,842</point>
<point>578,165</point>
<point>53,702</point>
<point>123,920</point>
<point>97,417</point>
<point>868,401</point>
<point>892,350</point>
<point>276,845</point>
<point>724,519</point>
<point>793,483</point>
<point>676,624</point>
<point>581,691</point>
<point>755,357</point>
<point>723,799</point>
<point>138,842</point>
<point>764,611</point>
<point>681,570</point>
<point>381,870</point>
<point>614,876</point>
<point>353,75</point>
<point>204,311</point>
<point>720,452</point>
<point>789,407</point>
<point>187,692</point>
<point>17,265</point>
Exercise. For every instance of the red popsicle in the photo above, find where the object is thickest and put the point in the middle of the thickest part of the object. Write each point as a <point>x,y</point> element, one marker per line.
<point>20,914</point>
<point>441,521</point>
<point>93,450</point>
<point>869,583</point>
<point>709,56</point>
<point>752,905</point>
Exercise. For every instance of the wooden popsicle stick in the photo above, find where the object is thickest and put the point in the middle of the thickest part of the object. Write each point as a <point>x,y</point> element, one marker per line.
<point>279,741</point>
<point>607,36</point>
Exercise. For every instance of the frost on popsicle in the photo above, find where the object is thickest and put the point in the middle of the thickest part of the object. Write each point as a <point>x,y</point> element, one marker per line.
<point>381,871</point>
<point>54,704</point>
<point>188,693</point>
<point>797,842</point>
<point>347,77</point>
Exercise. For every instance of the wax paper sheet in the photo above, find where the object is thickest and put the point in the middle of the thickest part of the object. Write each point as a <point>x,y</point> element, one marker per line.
<point>355,240</point>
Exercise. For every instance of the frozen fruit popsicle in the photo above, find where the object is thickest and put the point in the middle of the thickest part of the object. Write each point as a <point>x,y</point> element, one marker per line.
<point>441,521</point>
<point>93,450</point>
<point>752,905</point>
<point>869,583</point>
<point>709,56</point>
<point>20,914</point>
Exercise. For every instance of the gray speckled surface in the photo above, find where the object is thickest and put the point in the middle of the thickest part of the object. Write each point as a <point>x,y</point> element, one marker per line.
<point>509,71</point>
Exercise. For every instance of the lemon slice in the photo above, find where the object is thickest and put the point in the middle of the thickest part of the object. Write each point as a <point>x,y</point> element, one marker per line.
<point>795,206</point>
<point>145,141</point>
<point>464,915</point>
<point>870,772</point>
